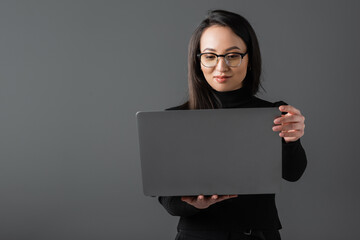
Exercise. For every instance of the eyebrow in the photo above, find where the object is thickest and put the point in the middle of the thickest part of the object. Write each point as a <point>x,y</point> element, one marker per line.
<point>230,48</point>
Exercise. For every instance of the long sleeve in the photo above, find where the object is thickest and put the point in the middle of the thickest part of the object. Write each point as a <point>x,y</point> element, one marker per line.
<point>176,207</point>
<point>294,160</point>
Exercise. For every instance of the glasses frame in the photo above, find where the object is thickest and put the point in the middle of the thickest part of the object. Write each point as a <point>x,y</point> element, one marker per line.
<point>242,55</point>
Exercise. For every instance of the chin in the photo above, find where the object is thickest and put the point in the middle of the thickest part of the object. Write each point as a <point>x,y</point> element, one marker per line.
<point>219,88</point>
<point>225,88</point>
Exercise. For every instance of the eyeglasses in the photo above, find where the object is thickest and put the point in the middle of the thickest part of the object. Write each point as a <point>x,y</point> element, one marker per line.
<point>232,59</point>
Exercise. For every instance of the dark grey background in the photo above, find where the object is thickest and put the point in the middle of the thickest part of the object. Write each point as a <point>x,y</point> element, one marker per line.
<point>74,73</point>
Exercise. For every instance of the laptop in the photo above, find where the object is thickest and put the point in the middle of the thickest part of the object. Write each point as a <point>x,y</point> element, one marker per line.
<point>209,151</point>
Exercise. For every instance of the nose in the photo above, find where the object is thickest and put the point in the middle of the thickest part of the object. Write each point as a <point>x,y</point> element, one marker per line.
<point>221,65</point>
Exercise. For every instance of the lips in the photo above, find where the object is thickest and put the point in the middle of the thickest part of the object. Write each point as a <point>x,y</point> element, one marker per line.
<point>221,79</point>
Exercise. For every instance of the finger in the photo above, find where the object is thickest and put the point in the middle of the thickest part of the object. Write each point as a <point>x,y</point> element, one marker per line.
<point>214,197</point>
<point>283,118</point>
<point>289,109</point>
<point>293,127</point>
<point>187,198</point>
<point>200,197</point>
<point>221,198</point>
<point>224,197</point>
<point>288,127</point>
<point>296,134</point>
<point>292,118</point>
<point>289,118</point>
<point>187,201</point>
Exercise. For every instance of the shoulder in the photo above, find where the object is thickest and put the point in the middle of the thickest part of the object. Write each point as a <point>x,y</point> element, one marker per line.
<point>258,102</point>
<point>254,102</point>
<point>184,106</point>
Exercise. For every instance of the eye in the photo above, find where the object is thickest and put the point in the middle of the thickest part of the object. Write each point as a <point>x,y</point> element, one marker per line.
<point>233,56</point>
<point>209,56</point>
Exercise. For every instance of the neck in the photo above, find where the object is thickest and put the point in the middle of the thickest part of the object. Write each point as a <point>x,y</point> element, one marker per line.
<point>232,98</point>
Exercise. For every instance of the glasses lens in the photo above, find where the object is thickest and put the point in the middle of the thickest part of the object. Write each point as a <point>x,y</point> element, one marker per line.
<point>233,59</point>
<point>208,59</point>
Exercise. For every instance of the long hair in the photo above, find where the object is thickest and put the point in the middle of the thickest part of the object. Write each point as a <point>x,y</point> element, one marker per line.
<point>200,94</point>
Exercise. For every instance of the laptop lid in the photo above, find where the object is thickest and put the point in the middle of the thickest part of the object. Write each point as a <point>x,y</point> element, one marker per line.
<point>211,151</point>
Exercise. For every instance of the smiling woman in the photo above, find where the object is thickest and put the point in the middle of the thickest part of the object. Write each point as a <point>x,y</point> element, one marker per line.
<point>222,33</point>
<point>226,73</point>
<point>224,66</point>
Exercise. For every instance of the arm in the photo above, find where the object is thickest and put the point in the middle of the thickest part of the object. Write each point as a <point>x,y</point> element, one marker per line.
<point>294,160</point>
<point>291,127</point>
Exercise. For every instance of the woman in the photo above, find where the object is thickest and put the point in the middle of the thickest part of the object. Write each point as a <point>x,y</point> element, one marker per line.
<point>224,66</point>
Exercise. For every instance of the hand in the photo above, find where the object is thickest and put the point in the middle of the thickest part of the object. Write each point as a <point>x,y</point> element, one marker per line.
<point>291,125</point>
<point>202,202</point>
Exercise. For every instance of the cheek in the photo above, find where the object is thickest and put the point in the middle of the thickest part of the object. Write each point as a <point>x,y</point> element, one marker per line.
<point>243,69</point>
<point>246,63</point>
<point>242,73</point>
<point>206,72</point>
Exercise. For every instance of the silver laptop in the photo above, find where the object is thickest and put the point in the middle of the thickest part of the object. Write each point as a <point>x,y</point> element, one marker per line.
<point>212,151</point>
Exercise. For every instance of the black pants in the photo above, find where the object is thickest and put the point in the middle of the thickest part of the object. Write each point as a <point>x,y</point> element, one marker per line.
<point>213,235</point>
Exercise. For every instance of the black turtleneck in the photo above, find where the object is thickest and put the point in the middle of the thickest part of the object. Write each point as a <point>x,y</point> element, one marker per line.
<point>245,211</point>
<point>234,98</point>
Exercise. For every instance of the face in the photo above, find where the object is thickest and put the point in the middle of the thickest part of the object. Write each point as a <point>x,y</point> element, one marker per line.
<point>221,40</point>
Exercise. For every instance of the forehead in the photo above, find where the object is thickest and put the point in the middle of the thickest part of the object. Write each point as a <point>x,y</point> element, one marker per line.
<point>220,38</point>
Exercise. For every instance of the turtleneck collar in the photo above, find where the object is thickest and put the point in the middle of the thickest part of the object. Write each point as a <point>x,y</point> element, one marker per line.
<point>233,98</point>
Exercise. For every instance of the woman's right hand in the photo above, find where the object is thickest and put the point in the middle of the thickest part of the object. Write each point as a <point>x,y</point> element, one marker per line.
<point>202,202</point>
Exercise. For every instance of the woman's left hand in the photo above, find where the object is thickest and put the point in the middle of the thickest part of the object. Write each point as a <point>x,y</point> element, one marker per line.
<point>291,125</point>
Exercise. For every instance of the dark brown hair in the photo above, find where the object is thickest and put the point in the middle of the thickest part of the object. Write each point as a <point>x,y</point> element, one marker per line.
<point>200,94</point>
